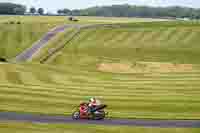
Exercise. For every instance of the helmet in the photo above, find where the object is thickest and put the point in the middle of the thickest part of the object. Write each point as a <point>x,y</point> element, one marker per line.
<point>83,104</point>
<point>92,99</point>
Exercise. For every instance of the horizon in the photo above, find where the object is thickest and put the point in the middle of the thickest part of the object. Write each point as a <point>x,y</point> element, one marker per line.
<point>78,4</point>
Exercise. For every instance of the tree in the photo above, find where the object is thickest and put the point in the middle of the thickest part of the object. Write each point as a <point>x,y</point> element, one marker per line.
<point>66,11</point>
<point>2,59</point>
<point>32,10</point>
<point>41,11</point>
<point>136,11</point>
<point>19,10</point>
<point>60,11</point>
<point>10,8</point>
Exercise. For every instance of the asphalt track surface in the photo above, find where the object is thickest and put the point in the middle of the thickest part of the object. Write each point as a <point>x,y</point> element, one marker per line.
<point>33,118</point>
<point>28,53</point>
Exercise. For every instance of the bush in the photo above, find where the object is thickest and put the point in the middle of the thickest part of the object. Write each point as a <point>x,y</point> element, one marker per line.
<point>18,22</point>
<point>12,22</point>
<point>3,59</point>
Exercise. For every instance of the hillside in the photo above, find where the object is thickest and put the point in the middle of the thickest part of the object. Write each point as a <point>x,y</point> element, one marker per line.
<point>15,38</point>
<point>34,88</point>
<point>172,42</point>
<point>20,32</point>
<point>142,70</point>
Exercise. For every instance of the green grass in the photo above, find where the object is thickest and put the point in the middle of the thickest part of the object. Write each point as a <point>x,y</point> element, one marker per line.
<point>57,90</point>
<point>15,38</point>
<point>177,44</point>
<point>73,75</point>
<point>140,94</point>
<point>82,19</point>
<point>114,20</point>
<point>55,44</point>
<point>65,128</point>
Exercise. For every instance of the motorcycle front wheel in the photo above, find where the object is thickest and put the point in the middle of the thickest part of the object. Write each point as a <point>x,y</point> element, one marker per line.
<point>99,116</point>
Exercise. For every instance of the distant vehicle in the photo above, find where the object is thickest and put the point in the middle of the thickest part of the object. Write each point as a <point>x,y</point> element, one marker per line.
<point>73,19</point>
<point>83,112</point>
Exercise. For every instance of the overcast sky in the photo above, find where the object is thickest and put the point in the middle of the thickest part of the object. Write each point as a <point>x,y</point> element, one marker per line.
<point>53,5</point>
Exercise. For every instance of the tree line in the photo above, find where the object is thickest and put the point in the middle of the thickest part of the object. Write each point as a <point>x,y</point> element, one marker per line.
<point>18,9</point>
<point>11,9</point>
<point>33,10</point>
<point>135,11</point>
<point>110,11</point>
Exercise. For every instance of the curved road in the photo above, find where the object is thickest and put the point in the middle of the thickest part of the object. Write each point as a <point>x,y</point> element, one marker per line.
<point>28,53</point>
<point>9,116</point>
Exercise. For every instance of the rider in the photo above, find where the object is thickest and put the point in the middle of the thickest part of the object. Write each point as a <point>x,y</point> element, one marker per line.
<point>83,109</point>
<point>93,103</point>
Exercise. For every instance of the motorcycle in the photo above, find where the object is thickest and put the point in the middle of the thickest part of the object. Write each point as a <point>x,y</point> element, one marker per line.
<point>83,111</point>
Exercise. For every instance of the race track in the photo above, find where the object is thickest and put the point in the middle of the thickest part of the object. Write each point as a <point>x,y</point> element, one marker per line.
<point>33,118</point>
<point>28,53</point>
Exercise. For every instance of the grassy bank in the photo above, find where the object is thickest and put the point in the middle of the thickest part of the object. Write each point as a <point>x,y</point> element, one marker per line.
<point>139,71</point>
<point>16,38</point>
<point>57,90</point>
<point>50,128</point>
<point>167,42</point>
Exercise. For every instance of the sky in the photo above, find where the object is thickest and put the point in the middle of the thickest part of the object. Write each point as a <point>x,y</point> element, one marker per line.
<point>53,5</point>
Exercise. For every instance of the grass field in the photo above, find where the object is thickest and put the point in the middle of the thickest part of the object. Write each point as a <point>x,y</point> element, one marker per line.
<point>134,79</point>
<point>54,90</point>
<point>140,70</point>
<point>152,42</point>
<point>50,128</point>
<point>82,20</point>
<point>55,44</point>
<point>148,70</point>
<point>17,37</point>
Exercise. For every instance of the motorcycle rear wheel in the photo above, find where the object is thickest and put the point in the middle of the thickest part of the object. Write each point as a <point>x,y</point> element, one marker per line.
<point>76,115</point>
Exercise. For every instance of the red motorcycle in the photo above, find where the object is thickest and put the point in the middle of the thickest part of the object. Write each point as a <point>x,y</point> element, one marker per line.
<point>83,111</point>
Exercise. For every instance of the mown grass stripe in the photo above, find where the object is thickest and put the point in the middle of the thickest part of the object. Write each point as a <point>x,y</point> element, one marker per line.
<point>111,88</point>
<point>123,95</point>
